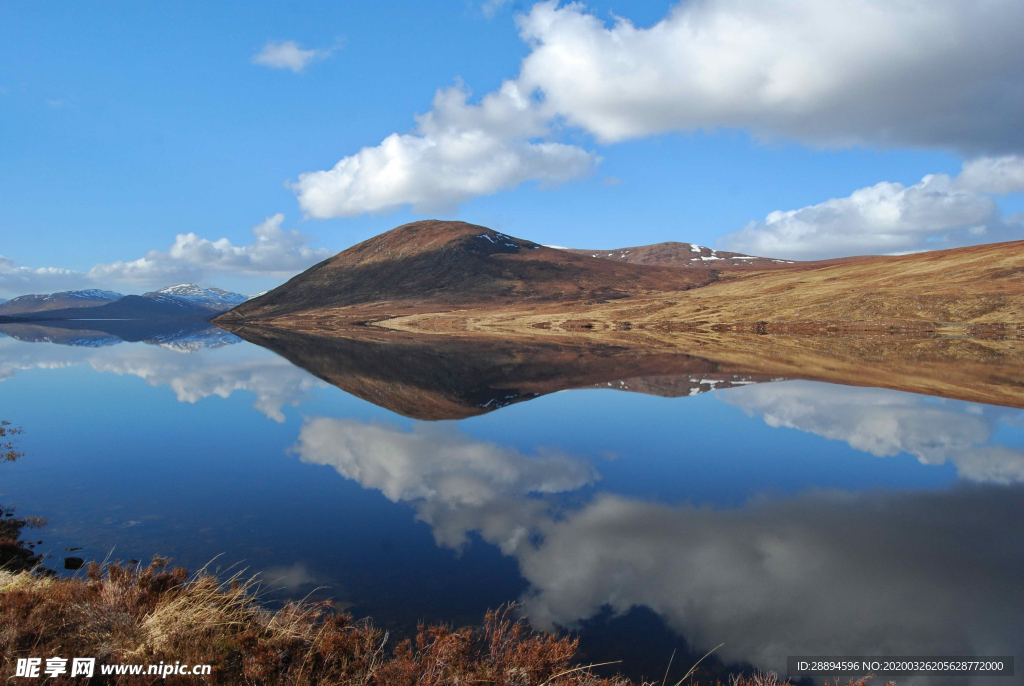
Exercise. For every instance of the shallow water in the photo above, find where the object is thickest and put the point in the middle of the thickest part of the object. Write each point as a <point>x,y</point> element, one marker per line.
<point>776,517</point>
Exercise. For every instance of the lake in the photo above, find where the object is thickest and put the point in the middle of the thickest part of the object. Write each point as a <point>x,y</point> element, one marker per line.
<point>652,512</point>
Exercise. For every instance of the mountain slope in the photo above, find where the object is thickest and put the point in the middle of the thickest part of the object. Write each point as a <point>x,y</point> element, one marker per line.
<point>214,298</point>
<point>680,255</point>
<point>454,264</point>
<point>58,301</point>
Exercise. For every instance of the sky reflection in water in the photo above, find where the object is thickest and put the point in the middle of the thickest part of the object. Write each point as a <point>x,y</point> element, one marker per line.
<point>779,518</point>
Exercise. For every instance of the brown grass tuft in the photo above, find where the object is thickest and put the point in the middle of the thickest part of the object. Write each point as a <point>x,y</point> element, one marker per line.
<point>124,614</point>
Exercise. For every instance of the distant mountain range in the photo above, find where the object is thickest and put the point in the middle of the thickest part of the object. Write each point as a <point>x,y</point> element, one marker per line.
<point>182,301</point>
<point>58,301</point>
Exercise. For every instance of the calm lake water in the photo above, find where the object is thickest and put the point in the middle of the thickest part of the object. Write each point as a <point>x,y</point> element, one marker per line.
<point>777,518</point>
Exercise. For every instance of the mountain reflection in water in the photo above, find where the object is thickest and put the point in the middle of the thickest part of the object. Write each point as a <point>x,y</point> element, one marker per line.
<point>778,517</point>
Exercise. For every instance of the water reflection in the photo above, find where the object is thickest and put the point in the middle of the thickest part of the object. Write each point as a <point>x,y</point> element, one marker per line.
<point>182,336</point>
<point>448,377</point>
<point>841,561</point>
<point>192,377</point>
<point>433,378</point>
<point>886,423</point>
<point>825,572</point>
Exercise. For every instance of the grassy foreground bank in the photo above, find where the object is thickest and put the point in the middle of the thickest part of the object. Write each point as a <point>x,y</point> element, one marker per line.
<point>147,615</point>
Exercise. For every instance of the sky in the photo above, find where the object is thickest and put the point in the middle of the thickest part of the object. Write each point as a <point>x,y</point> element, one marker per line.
<point>235,145</point>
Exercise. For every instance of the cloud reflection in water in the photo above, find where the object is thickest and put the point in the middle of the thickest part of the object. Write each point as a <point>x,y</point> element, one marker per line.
<point>824,572</point>
<point>885,423</point>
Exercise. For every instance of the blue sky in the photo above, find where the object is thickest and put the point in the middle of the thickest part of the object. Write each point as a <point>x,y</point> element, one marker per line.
<point>126,127</point>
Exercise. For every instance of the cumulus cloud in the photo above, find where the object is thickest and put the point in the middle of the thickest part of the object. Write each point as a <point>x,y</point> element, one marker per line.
<point>287,54</point>
<point>886,423</point>
<point>19,279</point>
<point>944,73</point>
<point>459,151</point>
<point>999,175</point>
<point>937,212</point>
<point>274,252</point>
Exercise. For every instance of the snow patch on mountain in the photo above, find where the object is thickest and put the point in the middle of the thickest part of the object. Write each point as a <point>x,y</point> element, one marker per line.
<point>214,298</point>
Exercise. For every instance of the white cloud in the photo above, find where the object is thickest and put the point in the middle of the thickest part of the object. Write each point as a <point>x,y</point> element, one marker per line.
<point>287,54</point>
<point>936,73</point>
<point>937,212</point>
<point>886,423</point>
<point>459,151</point>
<point>945,74</point>
<point>19,280</point>
<point>274,252</point>
<point>1000,175</point>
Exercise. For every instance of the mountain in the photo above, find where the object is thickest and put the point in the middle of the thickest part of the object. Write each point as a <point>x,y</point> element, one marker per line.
<point>148,306</point>
<point>436,277</point>
<point>680,255</point>
<point>450,263</point>
<point>58,301</point>
<point>214,298</point>
<point>183,301</point>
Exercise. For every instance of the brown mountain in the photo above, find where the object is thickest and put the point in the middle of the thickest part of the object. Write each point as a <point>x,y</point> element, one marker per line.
<point>675,254</point>
<point>451,277</point>
<point>452,264</point>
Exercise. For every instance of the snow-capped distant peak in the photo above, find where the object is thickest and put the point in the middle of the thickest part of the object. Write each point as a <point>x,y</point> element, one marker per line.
<point>185,289</point>
<point>214,298</point>
<point>94,294</point>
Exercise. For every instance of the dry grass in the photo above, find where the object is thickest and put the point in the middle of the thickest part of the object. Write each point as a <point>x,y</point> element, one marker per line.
<point>145,615</point>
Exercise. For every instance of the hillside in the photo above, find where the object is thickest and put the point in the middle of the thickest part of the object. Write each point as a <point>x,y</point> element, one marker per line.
<point>452,264</point>
<point>57,301</point>
<point>978,288</point>
<point>449,277</point>
<point>673,254</point>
